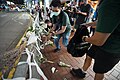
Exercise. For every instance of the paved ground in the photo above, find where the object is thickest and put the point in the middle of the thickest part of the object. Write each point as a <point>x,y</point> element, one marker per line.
<point>12,27</point>
<point>63,73</point>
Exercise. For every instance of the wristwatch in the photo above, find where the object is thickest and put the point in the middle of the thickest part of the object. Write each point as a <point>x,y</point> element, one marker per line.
<point>83,38</point>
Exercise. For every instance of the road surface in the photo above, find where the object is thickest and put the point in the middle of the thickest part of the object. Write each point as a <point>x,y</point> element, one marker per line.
<point>12,27</point>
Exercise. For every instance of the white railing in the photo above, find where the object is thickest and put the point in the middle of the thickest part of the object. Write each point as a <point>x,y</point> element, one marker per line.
<point>33,49</point>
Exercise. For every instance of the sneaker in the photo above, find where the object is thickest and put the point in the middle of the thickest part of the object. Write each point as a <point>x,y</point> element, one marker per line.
<point>56,50</point>
<point>78,73</point>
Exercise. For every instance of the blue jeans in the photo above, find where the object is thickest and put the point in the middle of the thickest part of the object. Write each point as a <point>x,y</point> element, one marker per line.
<point>65,38</point>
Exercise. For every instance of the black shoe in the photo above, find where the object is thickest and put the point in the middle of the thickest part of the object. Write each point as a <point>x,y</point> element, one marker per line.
<point>56,50</point>
<point>78,73</point>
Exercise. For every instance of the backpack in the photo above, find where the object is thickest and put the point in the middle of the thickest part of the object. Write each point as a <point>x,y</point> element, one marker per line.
<point>76,47</point>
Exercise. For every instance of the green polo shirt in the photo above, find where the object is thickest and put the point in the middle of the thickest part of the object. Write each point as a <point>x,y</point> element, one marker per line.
<point>109,22</point>
<point>62,20</point>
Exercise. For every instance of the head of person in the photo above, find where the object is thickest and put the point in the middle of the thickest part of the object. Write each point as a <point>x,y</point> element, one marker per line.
<point>56,7</point>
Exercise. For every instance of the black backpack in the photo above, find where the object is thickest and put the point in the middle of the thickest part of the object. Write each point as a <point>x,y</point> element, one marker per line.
<point>76,47</point>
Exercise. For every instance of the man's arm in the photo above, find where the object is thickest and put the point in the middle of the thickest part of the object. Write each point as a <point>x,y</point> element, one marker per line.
<point>98,38</point>
<point>53,28</point>
<point>90,24</point>
<point>61,31</point>
<point>83,13</point>
<point>51,32</point>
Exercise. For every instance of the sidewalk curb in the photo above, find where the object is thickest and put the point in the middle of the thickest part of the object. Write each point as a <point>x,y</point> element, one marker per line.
<point>11,73</point>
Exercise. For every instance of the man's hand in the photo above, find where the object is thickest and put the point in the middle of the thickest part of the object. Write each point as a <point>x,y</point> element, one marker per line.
<point>49,36</point>
<point>53,32</point>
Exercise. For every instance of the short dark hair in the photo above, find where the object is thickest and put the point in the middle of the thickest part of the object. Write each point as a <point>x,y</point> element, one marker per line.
<point>56,3</point>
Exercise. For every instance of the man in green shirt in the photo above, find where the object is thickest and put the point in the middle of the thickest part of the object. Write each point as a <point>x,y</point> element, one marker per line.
<point>106,39</point>
<point>61,24</point>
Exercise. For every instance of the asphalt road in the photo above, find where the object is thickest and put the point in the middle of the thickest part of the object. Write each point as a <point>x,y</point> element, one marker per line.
<point>12,27</point>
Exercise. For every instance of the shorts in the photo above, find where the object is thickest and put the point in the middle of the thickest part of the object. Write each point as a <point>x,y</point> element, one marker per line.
<point>104,61</point>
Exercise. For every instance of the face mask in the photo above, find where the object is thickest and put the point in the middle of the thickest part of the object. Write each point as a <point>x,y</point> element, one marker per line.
<point>51,14</point>
<point>56,13</point>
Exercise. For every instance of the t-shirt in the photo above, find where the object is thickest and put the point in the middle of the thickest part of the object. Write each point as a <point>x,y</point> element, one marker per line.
<point>62,20</point>
<point>109,22</point>
<point>82,18</point>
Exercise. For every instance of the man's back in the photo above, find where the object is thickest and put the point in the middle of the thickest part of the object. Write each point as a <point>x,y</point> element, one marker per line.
<point>109,22</point>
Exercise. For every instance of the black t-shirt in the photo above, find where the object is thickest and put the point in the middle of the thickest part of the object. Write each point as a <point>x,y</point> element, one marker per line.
<point>109,22</point>
<point>82,18</point>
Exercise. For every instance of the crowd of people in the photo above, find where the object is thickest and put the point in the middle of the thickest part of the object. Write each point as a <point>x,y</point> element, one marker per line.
<point>103,18</point>
<point>67,17</point>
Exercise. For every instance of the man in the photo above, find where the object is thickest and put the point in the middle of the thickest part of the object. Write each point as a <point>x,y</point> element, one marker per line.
<point>61,24</point>
<point>82,13</point>
<point>106,40</point>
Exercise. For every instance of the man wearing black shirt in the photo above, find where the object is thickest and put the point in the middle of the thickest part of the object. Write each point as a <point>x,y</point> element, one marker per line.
<point>82,12</point>
<point>61,24</point>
